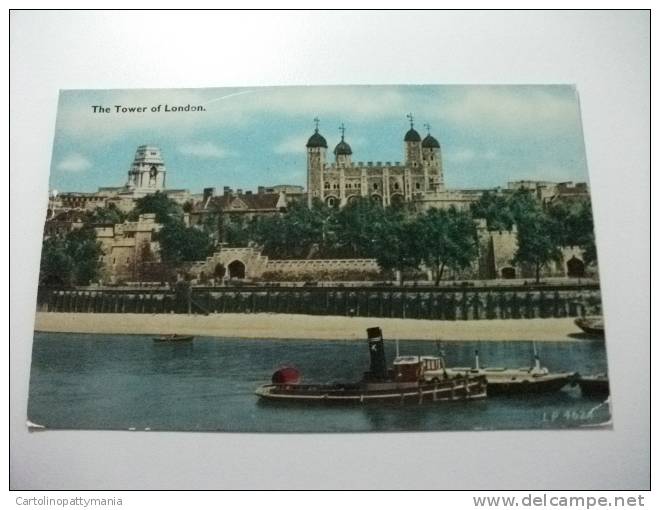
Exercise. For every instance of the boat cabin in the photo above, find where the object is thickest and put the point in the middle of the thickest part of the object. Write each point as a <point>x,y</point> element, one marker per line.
<point>412,368</point>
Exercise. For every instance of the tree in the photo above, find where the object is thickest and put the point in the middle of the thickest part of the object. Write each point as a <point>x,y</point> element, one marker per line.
<point>73,259</point>
<point>520,203</point>
<point>165,209</point>
<point>56,264</point>
<point>179,243</point>
<point>106,215</point>
<point>575,226</point>
<point>396,246</point>
<point>495,209</point>
<point>301,232</point>
<point>358,226</point>
<point>448,239</point>
<point>537,241</point>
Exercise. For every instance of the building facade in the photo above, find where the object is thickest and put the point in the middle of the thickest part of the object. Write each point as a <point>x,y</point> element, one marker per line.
<point>127,247</point>
<point>338,183</point>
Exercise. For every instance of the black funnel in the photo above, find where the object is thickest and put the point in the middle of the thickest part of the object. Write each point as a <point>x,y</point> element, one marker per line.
<point>378,366</point>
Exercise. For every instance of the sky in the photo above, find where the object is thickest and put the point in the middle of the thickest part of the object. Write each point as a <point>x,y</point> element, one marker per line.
<point>247,137</point>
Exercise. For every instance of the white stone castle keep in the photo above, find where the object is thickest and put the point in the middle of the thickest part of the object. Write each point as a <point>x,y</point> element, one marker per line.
<point>418,178</point>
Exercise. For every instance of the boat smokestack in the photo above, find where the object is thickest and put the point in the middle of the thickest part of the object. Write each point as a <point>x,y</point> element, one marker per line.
<point>378,365</point>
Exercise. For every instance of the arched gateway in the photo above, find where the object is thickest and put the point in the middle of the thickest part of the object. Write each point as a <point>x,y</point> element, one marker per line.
<point>236,270</point>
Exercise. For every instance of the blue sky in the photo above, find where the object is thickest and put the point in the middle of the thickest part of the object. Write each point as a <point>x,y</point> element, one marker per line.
<point>256,136</point>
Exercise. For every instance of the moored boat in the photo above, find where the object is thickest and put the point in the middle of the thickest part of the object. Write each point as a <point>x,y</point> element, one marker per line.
<point>510,381</point>
<point>592,326</point>
<point>403,382</point>
<point>174,338</point>
<point>597,385</point>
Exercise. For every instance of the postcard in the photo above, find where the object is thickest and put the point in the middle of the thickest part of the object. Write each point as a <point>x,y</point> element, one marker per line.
<point>319,259</point>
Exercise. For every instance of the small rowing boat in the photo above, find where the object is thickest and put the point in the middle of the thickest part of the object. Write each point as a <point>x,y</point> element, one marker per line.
<point>174,338</point>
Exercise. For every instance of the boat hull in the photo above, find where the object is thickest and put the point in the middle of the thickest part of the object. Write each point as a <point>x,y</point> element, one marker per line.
<point>591,327</point>
<point>594,386</point>
<point>547,384</point>
<point>470,389</point>
<point>174,339</point>
<point>513,381</point>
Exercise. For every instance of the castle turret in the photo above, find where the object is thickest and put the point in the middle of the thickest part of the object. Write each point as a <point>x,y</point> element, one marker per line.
<point>343,151</point>
<point>147,173</point>
<point>413,145</point>
<point>316,149</point>
<point>432,161</point>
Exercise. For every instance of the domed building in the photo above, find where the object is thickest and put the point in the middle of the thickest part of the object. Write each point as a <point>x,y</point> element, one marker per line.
<point>338,183</point>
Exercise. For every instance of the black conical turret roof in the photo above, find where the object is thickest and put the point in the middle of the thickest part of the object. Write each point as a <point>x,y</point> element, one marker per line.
<point>412,136</point>
<point>343,149</point>
<point>317,140</point>
<point>430,143</point>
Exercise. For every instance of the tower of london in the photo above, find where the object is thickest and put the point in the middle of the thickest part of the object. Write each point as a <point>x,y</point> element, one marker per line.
<point>337,183</point>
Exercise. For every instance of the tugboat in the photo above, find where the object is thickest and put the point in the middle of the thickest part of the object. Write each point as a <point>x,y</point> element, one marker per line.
<point>404,382</point>
<point>510,381</point>
<point>592,326</point>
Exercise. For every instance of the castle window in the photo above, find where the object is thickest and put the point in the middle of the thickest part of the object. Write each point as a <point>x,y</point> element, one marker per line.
<point>375,185</point>
<point>396,185</point>
<point>326,185</point>
<point>418,185</point>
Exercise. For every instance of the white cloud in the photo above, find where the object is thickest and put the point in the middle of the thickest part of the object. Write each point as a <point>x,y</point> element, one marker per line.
<point>291,145</point>
<point>500,110</point>
<point>465,155</point>
<point>74,162</point>
<point>203,150</point>
<point>511,109</point>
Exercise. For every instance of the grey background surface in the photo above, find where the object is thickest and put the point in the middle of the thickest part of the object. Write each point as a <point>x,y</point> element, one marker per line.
<point>606,54</point>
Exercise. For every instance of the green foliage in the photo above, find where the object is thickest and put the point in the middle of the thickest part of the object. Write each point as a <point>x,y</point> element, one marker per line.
<point>56,264</point>
<point>70,260</point>
<point>397,242</point>
<point>105,216</point>
<point>575,227</point>
<point>538,242</point>
<point>495,210</point>
<point>179,243</point>
<point>360,223</point>
<point>521,204</point>
<point>165,209</point>
<point>299,233</point>
<point>448,239</point>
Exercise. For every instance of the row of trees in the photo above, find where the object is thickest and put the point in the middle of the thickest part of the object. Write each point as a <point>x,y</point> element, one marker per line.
<point>73,259</point>
<point>399,238</point>
<point>542,229</point>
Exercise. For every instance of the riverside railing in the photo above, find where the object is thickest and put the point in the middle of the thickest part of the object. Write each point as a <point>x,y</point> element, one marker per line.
<point>470,303</point>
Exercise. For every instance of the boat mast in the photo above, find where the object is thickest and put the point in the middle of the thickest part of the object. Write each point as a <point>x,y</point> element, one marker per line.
<point>537,361</point>
<point>397,347</point>
<point>476,359</point>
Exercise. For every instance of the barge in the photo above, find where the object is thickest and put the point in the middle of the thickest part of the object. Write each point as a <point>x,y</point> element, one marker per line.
<point>592,326</point>
<point>508,381</point>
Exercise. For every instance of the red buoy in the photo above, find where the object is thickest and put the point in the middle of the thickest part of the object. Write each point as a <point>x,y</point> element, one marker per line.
<point>286,375</point>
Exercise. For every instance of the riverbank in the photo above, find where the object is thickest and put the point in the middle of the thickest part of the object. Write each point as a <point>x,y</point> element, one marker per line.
<point>282,326</point>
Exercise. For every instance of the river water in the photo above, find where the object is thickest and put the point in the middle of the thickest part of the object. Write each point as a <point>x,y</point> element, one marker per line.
<point>82,381</point>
